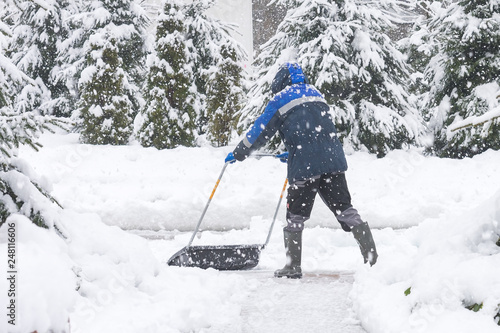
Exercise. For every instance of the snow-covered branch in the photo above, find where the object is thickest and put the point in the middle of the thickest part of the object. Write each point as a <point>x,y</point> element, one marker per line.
<point>476,120</point>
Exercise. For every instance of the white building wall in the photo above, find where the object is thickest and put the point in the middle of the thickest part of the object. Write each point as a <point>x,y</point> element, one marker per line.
<point>236,12</point>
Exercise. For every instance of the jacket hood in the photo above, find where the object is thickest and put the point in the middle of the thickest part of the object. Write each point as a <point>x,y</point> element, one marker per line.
<point>288,74</point>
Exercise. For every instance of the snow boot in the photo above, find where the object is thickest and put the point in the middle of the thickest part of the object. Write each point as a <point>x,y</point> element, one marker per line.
<point>363,236</point>
<point>293,246</point>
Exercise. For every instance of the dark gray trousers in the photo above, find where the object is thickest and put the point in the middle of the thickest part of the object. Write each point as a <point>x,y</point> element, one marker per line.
<point>332,189</point>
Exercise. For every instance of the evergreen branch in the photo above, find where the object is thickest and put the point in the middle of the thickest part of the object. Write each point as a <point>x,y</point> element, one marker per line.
<point>5,30</point>
<point>24,129</point>
<point>477,121</point>
<point>42,4</point>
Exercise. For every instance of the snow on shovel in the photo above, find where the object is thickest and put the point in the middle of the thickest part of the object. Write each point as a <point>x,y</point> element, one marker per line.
<point>222,257</point>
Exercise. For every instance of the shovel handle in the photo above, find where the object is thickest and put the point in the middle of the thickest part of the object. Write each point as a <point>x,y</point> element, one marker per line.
<point>260,155</point>
<point>275,213</point>
<point>215,188</point>
<point>208,204</point>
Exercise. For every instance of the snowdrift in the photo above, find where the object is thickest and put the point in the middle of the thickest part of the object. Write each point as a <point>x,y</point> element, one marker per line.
<point>445,269</point>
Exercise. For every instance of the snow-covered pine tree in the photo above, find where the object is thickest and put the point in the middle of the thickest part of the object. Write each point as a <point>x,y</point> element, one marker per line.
<point>128,22</point>
<point>6,83</point>
<point>39,30</point>
<point>131,20</point>
<point>25,96</point>
<point>224,96</point>
<point>168,114</point>
<point>206,37</point>
<point>420,46</point>
<point>464,77</point>
<point>123,24</point>
<point>19,191</point>
<point>343,49</point>
<point>104,108</point>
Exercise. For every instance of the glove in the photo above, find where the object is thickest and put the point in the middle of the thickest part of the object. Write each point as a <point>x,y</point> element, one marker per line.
<point>283,157</point>
<point>230,158</point>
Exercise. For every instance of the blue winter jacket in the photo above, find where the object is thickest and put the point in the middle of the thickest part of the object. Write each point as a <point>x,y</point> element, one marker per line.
<point>301,116</point>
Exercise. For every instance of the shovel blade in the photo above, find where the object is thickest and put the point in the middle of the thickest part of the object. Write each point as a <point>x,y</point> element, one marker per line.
<point>220,257</point>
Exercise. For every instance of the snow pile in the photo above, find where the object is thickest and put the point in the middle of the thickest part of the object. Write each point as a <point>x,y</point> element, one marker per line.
<point>142,188</point>
<point>137,188</point>
<point>124,288</point>
<point>102,279</point>
<point>44,288</point>
<point>445,267</point>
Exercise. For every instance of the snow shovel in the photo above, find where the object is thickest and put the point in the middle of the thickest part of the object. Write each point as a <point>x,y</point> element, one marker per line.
<point>221,257</point>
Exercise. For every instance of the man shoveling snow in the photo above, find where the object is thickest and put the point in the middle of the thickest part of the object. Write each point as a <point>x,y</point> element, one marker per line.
<point>316,162</point>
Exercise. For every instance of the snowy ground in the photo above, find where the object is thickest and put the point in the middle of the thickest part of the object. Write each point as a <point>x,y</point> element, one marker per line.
<point>128,209</point>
